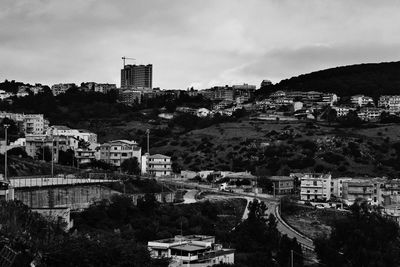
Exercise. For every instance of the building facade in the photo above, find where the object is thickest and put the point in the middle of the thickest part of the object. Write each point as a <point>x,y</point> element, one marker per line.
<point>282,185</point>
<point>137,76</point>
<point>115,152</point>
<point>315,186</point>
<point>156,165</point>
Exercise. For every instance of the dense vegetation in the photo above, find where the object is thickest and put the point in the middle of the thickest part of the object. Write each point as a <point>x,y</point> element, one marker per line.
<point>369,79</point>
<point>364,238</point>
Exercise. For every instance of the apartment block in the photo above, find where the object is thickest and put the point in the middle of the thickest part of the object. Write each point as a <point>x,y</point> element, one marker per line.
<point>115,152</point>
<point>156,165</point>
<point>34,124</point>
<point>282,184</point>
<point>337,186</point>
<point>368,189</point>
<point>315,186</point>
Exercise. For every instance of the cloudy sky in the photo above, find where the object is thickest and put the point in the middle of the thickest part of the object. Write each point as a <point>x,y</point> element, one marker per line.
<point>196,43</point>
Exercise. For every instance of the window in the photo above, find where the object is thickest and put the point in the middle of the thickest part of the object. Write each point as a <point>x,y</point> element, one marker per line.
<point>315,183</point>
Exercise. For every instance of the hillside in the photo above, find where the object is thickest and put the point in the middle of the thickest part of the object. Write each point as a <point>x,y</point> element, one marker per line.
<point>371,79</point>
<point>279,148</point>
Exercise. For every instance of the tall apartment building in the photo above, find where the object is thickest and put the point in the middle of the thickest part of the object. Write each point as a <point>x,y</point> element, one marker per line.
<point>115,152</point>
<point>315,186</point>
<point>137,76</point>
<point>368,189</point>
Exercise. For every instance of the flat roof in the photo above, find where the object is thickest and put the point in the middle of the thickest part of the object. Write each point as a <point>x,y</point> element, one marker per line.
<point>188,247</point>
<point>279,178</point>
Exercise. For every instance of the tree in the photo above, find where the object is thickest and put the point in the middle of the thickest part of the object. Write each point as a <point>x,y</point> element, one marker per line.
<point>47,153</point>
<point>363,238</point>
<point>131,166</point>
<point>66,157</point>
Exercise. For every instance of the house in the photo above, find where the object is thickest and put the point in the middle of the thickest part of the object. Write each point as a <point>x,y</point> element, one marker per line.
<point>84,156</point>
<point>390,103</point>
<point>61,88</point>
<point>315,186</point>
<point>74,135</point>
<point>282,184</point>
<point>156,165</point>
<point>116,151</point>
<point>342,111</point>
<point>329,99</point>
<point>191,250</point>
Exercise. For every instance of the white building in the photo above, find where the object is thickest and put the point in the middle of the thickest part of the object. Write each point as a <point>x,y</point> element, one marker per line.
<point>368,189</point>
<point>342,111</point>
<point>203,112</point>
<point>361,100</point>
<point>315,186</point>
<point>77,134</point>
<point>115,152</point>
<point>61,88</point>
<point>193,250</point>
<point>156,165</point>
<point>35,124</point>
<point>369,114</point>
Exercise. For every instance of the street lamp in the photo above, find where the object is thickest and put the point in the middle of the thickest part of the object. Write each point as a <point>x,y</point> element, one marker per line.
<point>5,153</point>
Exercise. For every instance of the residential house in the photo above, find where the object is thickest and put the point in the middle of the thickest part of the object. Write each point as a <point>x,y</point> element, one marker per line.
<point>369,113</point>
<point>61,88</point>
<point>337,186</point>
<point>34,124</point>
<point>192,250</point>
<point>116,151</point>
<point>282,185</point>
<point>84,156</point>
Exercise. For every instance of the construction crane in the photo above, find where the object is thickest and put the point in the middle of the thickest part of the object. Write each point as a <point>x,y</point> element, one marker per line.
<point>127,58</point>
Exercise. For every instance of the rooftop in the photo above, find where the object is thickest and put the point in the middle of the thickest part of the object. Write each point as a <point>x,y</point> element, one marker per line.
<point>158,156</point>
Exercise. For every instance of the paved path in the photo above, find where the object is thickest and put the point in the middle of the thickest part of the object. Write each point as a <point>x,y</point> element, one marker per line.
<point>48,182</point>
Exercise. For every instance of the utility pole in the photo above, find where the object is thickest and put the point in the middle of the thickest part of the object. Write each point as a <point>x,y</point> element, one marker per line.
<point>52,156</point>
<point>148,141</point>
<point>5,153</point>
<point>291,257</point>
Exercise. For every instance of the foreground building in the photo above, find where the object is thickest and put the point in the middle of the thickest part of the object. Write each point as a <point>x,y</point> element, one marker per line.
<point>192,250</point>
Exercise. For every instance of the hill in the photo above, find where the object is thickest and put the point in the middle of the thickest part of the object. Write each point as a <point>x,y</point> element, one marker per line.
<point>371,79</point>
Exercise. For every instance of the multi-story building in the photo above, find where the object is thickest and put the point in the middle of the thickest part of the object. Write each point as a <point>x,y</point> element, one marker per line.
<point>296,95</point>
<point>61,88</point>
<point>129,96</point>
<point>282,184</point>
<point>156,165</point>
<point>35,124</point>
<point>35,142</point>
<point>315,186</point>
<point>277,94</point>
<point>342,111</point>
<point>137,76</point>
<point>77,134</point>
<point>193,250</point>
<point>361,100</point>
<point>115,152</point>
<point>390,103</point>
<point>337,186</point>
<point>104,87</point>
<point>369,114</point>
<point>329,99</point>
<point>368,189</point>
<point>84,156</point>
<point>314,96</point>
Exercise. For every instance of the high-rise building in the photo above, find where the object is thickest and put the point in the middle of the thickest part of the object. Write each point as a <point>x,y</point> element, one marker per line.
<point>137,76</point>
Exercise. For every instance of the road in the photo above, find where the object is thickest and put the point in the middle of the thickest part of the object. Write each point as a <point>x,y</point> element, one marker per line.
<point>271,202</point>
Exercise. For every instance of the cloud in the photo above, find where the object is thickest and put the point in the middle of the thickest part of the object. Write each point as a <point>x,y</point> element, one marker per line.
<point>197,42</point>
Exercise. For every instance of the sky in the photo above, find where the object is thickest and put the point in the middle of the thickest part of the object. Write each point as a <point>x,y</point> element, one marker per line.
<point>199,43</point>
